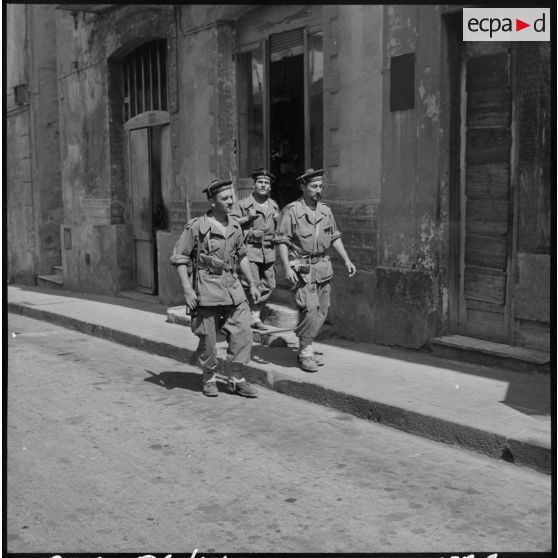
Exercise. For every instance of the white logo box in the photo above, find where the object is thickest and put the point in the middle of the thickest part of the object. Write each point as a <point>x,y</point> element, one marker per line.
<point>506,24</point>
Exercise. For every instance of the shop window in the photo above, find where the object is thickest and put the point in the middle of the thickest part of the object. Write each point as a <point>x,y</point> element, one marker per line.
<point>144,79</point>
<point>280,110</point>
<point>316,98</point>
<point>250,110</point>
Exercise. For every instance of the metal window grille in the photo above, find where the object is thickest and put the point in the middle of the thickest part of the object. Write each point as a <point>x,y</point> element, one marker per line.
<point>144,79</point>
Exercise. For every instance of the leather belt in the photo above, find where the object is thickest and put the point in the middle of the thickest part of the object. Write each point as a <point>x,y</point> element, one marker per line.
<point>310,259</point>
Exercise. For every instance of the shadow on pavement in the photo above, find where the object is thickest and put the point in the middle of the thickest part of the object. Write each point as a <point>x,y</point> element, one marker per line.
<point>172,379</point>
<point>528,392</point>
<point>529,397</point>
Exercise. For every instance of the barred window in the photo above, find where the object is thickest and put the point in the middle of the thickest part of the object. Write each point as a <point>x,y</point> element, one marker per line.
<point>144,79</point>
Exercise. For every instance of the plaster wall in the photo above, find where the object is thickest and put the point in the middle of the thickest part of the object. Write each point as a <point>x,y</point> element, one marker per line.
<point>45,159</point>
<point>353,98</point>
<point>19,218</point>
<point>33,180</point>
<point>411,234</point>
<point>19,195</point>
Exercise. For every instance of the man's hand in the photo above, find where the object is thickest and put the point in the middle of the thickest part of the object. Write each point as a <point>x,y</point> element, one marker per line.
<point>350,267</point>
<point>254,293</point>
<point>252,214</point>
<point>291,275</point>
<point>191,300</point>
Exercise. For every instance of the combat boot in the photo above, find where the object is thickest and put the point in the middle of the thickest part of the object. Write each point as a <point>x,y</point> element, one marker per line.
<point>318,359</point>
<point>236,381</point>
<point>209,383</point>
<point>241,387</point>
<point>307,363</point>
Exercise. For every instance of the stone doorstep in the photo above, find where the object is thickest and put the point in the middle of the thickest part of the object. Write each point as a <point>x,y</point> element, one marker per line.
<point>141,297</point>
<point>54,278</point>
<point>499,350</point>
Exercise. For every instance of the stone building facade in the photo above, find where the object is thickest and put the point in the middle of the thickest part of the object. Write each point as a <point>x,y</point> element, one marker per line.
<point>437,153</point>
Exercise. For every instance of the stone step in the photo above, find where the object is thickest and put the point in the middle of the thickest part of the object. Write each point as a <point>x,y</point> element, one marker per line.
<point>58,269</point>
<point>488,353</point>
<point>140,297</point>
<point>54,281</point>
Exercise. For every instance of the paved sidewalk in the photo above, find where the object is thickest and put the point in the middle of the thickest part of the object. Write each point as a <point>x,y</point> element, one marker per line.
<point>500,413</point>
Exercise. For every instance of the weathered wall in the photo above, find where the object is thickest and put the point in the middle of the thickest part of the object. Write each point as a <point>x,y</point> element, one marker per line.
<point>533,269</point>
<point>353,99</point>
<point>409,296</point>
<point>20,222</point>
<point>21,253</point>
<point>44,121</point>
<point>33,178</point>
<point>88,264</point>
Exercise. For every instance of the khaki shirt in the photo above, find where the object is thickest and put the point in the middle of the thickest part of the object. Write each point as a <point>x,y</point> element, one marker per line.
<point>307,234</point>
<point>212,289</point>
<point>259,233</point>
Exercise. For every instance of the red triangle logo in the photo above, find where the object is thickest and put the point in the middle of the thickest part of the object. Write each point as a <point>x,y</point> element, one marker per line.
<point>519,25</point>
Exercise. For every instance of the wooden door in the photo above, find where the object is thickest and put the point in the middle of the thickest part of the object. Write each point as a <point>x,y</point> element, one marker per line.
<point>486,206</point>
<point>142,210</point>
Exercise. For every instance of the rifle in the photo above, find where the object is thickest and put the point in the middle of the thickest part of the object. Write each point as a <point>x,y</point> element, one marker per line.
<point>233,188</point>
<point>193,277</point>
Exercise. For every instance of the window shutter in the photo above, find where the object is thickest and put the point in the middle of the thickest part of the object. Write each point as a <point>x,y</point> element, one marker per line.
<point>289,43</point>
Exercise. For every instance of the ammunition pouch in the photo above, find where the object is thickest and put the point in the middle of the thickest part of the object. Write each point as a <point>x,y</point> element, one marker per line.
<point>214,265</point>
<point>259,239</point>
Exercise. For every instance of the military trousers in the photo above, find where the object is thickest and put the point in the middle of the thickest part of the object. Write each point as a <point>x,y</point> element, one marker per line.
<point>264,276</point>
<point>313,301</point>
<point>234,322</point>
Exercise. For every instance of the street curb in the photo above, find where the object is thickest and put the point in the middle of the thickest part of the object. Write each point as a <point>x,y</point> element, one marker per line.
<point>520,452</point>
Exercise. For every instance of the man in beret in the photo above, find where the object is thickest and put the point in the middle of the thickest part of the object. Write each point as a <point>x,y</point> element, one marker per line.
<point>257,215</point>
<point>305,231</point>
<point>206,257</point>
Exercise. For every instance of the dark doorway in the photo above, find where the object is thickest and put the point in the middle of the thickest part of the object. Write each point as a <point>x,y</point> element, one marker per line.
<point>286,116</point>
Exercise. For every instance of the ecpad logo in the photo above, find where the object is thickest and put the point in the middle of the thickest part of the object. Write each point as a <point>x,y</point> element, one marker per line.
<point>506,24</point>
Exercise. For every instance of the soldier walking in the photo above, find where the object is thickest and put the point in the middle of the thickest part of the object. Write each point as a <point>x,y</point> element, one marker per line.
<point>305,231</point>
<point>206,257</point>
<point>257,214</point>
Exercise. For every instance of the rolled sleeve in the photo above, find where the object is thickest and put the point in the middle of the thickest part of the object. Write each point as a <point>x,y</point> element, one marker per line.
<point>284,232</point>
<point>335,233</point>
<point>183,247</point>
<point>241,249</point>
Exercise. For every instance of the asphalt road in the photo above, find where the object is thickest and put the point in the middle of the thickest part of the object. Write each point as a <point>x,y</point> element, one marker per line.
<point>111,449</point>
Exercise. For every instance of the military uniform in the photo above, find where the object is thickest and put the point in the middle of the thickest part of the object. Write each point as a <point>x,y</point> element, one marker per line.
<point>308,234</point>
<point>259,234</point>
<point>212,252</point>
